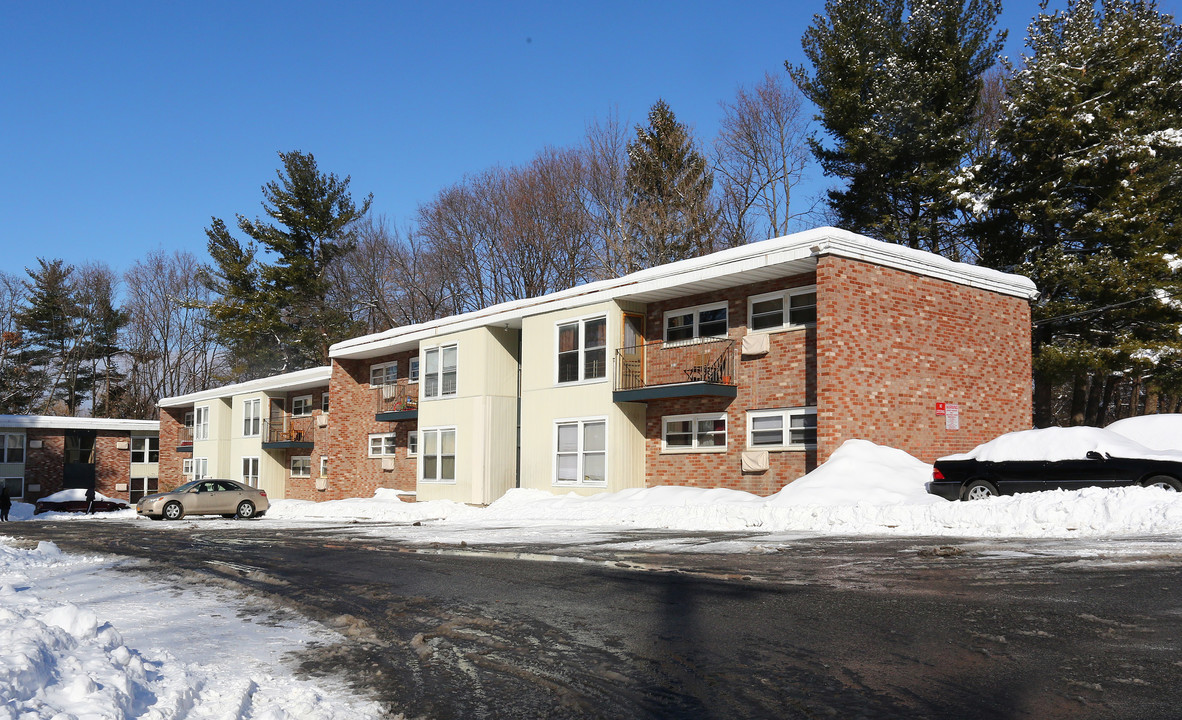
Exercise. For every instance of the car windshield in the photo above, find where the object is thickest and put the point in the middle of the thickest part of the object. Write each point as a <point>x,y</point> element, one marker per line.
<point>192,485</point>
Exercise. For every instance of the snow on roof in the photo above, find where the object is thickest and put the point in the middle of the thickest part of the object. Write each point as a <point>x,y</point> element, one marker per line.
<point>76,423</point>
<point>1160,432</point>
<point>777,257</point>
<point>298,380</point>
<point>1055,443</point>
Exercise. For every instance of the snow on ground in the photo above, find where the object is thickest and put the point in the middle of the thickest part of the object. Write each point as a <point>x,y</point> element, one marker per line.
<point>77,642</point>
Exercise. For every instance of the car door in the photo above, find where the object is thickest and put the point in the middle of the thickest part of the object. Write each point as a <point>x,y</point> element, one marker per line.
<point>1094,470</point>
<point>201,499</point>
<point>1018,476</point>
<point>228,495</point>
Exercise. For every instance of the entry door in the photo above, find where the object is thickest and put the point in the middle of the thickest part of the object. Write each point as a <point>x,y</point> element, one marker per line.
<point>78,465</point>
<point>632,353</point>
<point>278,427</point>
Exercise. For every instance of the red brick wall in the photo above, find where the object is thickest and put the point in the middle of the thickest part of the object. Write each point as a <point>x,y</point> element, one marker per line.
<point>891,344</point>
<point>785,377</point>
<point>351,472</point>
<point>171,461</point>
<point>45,466</point>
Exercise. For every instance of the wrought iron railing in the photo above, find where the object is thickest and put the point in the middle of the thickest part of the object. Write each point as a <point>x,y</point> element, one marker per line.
<point>301,429</point>
<point>184,436</point>
<point>396,397</point>
<point>670,363</point>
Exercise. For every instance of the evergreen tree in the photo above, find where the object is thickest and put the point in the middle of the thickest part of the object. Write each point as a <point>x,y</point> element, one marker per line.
<point>670,214</point>
<point>1082,195</point>
<point>51,333</point>
<point>101,339</point>
<point>277,316</point>
<point>896,83</point>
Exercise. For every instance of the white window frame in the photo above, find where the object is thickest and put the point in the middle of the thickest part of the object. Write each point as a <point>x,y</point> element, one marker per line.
<point>785,296</point>
<point>786,415</point>
<point>324,402</point>
<point>14,496</point>
<point>389,373</point>
<point>4,448</point>
<point>200,468</point>
<point>201,422</point>
<point>412,443</point>
<point>388,445</point>
<point>694,447</point>
<point>305,466</point>
<point>581,350</point>
<point>696,311</point>
<point>440,373</point>
<point>252,417</point>
<point>244,475</point>
<point>187,467</point>
<point>580,452</point>
<point>146,451</point>
<point>413,374</point>
<point>438,432</point>
<point>305,401</point>
<point>323,466</point>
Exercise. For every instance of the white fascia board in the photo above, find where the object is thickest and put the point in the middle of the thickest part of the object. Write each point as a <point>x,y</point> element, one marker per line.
<point>298,380</point>
<point>53,422</point>
<point>729,262</point>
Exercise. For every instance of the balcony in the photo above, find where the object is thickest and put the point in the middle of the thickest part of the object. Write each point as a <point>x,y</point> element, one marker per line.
<point>280,433</point>
<point>396,401</point>
<point>184,439</point>
<point>698,368</point>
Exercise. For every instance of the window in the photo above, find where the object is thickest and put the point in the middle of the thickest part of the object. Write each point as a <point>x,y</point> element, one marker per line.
<point>301,466</point>
<point>412,443</point>
<point>438,463</point>
<point>381,445</point>
<point>323,466</point>
<point>141,486</point>
<point>440,373</point>
<point>414,369</point>
<point>582,350</point>
<point>250,471</point>
<point>201,423</point>
<point>687,433</point>
<point>252,417</point>
<point>704,321</point>
<point>323,402</point>
<point>383,374</point>
<point>12,447</point>
<point>786,429</point>
<point>15,485</point>
<point>187,467</point>
<point>301,406</point>
<point>145,449</point>
<point>189,420</point>
<point>580,452</point>
<point>200,468</point>
<point>790,308</point>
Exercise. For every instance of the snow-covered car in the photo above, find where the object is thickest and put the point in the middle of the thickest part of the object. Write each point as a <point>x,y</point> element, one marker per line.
<point>1051,459</point>
<point>74,500</point>
<point>1160,432</point>
<point>227,498</point>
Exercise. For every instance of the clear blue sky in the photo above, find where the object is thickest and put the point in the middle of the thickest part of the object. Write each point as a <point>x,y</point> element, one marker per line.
<point>126,126</point>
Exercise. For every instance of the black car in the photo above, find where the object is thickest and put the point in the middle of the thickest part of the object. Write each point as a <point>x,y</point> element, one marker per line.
<point>1054,459</point>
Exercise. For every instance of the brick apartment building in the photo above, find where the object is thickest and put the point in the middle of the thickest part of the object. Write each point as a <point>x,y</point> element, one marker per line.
<point>41,454</point>
<point>742,369</point>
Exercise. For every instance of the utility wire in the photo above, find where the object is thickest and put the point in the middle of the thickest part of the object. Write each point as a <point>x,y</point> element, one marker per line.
<point>1163,295</point>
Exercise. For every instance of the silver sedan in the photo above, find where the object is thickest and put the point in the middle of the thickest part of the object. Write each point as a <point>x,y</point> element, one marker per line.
<point>227,498</point>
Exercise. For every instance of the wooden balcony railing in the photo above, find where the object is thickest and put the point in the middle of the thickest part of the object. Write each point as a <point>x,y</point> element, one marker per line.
<point>671,363</point>
<point>396,397</point>
<point>184,436</point>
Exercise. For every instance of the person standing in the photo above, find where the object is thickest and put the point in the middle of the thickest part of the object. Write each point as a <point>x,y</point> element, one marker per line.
<point>5,504</point>
<point>90,500</point>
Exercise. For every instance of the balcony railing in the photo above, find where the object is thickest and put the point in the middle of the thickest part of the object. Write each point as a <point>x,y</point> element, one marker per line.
<point>184,436</point>
<point>658,364</point>
<point>397,397</point>
<point>289,431</point>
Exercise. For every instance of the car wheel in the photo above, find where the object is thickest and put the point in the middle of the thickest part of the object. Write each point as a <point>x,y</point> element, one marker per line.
<point>245,509</point>
<point>1165,482</point>
<point>173,511</point>
<point>979,490</point>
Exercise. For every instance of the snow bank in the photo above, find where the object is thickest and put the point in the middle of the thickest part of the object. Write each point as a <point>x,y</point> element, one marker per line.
<point>1160,432</point>
<point>1071,443</point>
<point>77,495</point>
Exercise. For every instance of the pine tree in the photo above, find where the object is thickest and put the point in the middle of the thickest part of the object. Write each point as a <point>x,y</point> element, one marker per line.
<point>1082,194</point>
<point>276,317</point>
<point>670,215</point>
<point>51,333</point>
<point>896,83</point>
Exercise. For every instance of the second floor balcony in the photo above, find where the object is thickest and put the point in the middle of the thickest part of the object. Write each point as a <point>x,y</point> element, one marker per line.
<point>289,431</point>
<point>657,370</point>
<point>396,401</point>
<point>184,438</point>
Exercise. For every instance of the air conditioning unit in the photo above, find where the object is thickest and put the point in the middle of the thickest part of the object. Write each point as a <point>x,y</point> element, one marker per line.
<point>388,464</point>
<point>122,445</point>
<point>321,484</point>
<point>35,444</point>
<point>755,461</point>
<point>120,487</point>
<point>322,420</point>
<point>33,487</point>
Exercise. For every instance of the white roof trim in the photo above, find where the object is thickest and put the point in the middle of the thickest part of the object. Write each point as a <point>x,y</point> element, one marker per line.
<point>55,422</point>
<point>731,262</point>
<point>298,380</point>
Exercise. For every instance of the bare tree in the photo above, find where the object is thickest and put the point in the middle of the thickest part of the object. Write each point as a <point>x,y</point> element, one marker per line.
<point>760,156</point>
<point>13,385</point>
<point>604,195</point>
